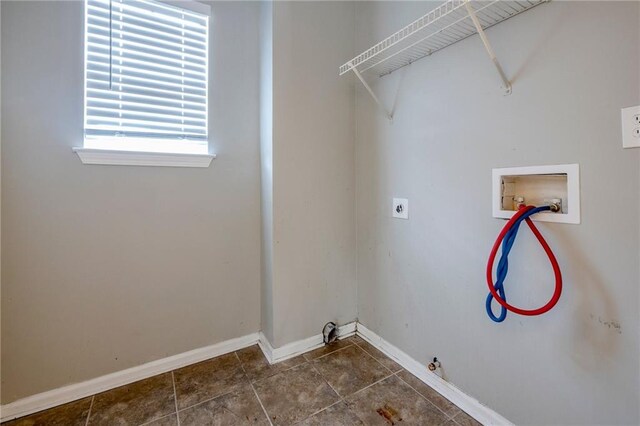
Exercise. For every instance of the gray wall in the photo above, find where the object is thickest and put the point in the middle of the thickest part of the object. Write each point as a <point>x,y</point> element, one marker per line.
<point>104,268</point>
<point>421,282</point>
<point>0,185</point>
<point>108,267</point>
<point>314,275</point>
<point>266,166</point>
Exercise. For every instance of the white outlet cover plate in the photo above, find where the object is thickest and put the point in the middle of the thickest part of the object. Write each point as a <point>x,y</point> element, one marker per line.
<point>404,213</point>
<point>631,127</point>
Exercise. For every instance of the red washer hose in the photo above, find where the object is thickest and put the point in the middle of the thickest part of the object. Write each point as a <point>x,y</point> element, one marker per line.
<point>554,263</point>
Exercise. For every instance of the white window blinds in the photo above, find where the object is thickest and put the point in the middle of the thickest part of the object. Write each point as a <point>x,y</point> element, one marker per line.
<point>146,76</point>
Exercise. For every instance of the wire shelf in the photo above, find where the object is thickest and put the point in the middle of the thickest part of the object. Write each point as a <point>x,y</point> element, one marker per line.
<point>441,27</point>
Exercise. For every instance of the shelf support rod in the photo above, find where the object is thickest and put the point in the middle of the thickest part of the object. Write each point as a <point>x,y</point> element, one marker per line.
<point>472,14</point>
<point>373,95</point>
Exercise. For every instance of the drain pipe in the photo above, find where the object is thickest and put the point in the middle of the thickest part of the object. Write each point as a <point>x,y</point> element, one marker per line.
<point>329,333</point>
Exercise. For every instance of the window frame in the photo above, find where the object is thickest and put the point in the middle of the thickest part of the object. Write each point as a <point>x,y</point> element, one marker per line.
<point>99,153</point>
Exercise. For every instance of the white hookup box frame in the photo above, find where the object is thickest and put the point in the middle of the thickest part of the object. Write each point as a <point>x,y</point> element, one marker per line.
<point>538,185</point>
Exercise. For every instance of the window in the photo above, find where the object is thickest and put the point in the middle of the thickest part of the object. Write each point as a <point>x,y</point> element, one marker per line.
<point>146,70</point>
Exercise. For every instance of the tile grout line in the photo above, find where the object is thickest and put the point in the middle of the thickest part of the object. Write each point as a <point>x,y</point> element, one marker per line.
<point>366,387</point>
<point>340,398</point>
<point>456,415</point>
<point>244,370</point>
<point>320,411</point>
<point>325,380</point>
<point>155,420</point>
<point>175,397</point>
<point>331,353</point>
<point>264,410</point>
<point>361,347</point>
<point>277,372</point>
<point>253,388</point>
<point>305,361</point>
<point>241,364</point>
<point>449,417</point>
<point>376,359</point>
<point>203,401</point>
<point>372,384</point>
<point>214,397</point>
<point>93,397</point>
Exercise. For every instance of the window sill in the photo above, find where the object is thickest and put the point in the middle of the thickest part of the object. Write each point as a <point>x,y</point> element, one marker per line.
<point>137,158</point>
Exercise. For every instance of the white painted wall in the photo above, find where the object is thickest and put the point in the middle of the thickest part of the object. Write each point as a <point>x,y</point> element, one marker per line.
<point>421,282</point>
<point>108,267</point>
<point>313,171</point>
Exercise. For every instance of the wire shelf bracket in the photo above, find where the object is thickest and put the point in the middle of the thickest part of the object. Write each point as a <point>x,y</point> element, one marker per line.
<point>452,21</point>
<point>372,93</point>
<point>506,84</point>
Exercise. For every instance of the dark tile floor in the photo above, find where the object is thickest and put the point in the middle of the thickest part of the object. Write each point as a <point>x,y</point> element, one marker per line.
<point>347,383</point>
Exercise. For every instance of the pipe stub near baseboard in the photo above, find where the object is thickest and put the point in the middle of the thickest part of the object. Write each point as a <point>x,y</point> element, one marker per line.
<point>330,333</point>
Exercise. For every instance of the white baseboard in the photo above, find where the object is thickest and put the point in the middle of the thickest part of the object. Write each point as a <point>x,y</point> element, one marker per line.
<point>300,346</point>
<point>470,405</point>
<point>266,347</point>
<point>54,397</point>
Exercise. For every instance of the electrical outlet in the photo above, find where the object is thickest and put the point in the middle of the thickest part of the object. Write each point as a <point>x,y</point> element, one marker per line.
<point>631,127</point>
<point>400,208</point>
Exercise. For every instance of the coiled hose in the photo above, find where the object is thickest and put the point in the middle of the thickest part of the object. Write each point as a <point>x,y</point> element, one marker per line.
<point>507,237</point>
